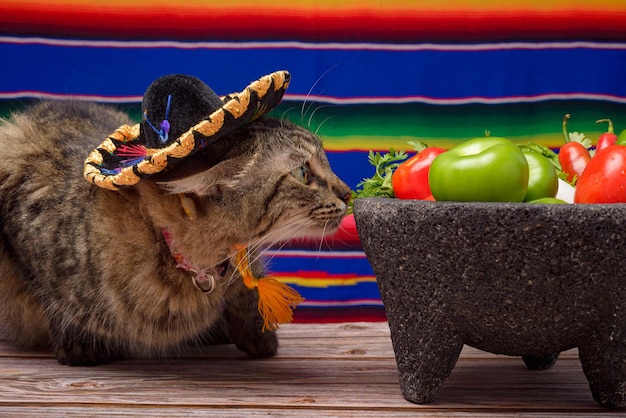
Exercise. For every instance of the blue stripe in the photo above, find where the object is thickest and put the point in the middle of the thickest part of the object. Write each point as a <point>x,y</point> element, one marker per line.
<point>115,71</point>
<point>351,166</point>
<point>364,290</point>
<point>356,266</point>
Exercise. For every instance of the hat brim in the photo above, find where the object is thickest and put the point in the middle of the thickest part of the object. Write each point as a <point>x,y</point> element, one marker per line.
<point>123,159</point>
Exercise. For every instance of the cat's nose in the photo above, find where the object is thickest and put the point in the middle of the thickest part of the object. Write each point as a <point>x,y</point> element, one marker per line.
<point>345,196</point>
<point>342,191</point>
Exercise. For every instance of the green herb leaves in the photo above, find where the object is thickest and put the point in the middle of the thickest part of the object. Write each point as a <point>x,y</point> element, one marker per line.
<point>380,183</point>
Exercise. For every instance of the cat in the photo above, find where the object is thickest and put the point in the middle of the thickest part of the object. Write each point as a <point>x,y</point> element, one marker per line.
<point>87,272</point>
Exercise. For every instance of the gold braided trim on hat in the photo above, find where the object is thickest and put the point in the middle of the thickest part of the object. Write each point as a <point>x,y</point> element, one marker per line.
<point>157,158</point>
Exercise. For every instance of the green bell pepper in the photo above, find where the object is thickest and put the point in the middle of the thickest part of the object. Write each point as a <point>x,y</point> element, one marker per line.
<point>542,178</point>
<point>621,139</point>
<point>487,169</point>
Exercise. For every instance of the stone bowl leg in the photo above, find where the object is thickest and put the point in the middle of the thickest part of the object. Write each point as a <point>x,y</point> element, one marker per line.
<point>425,360</point>
<point>540,362</point>
<point>604,364</point>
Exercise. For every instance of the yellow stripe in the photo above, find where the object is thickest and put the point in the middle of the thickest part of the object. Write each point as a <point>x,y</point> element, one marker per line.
<point>382,143</point>
<point>325,282</point>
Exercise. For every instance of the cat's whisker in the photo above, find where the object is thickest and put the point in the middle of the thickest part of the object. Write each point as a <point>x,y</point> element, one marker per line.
<point>265,241</point>
<point>255,252</point>
<point>305,111</point>
<point>285,229</point>
<point>342,228</point>
<point>294,229</point>
<point>319,248</point>
<point>308,125</point>
<point>308,94</point>
<point>283,115</point>
<point>322,241</point>
<point>281,235</point>
<point>323,122</point>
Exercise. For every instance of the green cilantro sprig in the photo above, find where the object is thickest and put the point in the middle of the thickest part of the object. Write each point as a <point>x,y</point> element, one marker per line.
<point>380,183</point>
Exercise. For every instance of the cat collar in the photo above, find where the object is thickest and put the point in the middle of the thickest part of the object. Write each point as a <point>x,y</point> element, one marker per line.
<point>203,279</point>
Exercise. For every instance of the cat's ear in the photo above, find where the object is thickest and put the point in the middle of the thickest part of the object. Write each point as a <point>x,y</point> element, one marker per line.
<point>226,175</point>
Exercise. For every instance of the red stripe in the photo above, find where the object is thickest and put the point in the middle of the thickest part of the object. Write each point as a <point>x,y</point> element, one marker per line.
<point>318,274</point>
<point>294,25</point>
<point>358,314</point>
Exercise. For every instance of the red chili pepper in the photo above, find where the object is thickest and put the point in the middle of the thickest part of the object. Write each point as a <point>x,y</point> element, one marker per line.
<point>608,138</point>
<point>573,156</point>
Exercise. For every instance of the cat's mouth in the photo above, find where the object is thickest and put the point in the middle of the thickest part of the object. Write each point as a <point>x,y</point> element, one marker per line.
<point>319,229</point>
<point>312,224</point>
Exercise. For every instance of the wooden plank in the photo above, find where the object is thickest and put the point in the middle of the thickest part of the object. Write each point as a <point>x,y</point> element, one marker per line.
<point>322,370</point>
<point>310,340</point>
<point>108,411</point>
<point>369,384</point>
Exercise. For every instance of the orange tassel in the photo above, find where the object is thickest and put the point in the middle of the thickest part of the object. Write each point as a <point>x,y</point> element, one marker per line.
<point>276,300</point>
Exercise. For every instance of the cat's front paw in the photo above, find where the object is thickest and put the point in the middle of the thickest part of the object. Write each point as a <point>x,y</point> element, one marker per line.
<point>260,345</point>
<point>246,332</point>
<point>80,354</point>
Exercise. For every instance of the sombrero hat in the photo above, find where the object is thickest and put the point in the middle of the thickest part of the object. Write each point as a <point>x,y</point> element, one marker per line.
<point>181,115</point>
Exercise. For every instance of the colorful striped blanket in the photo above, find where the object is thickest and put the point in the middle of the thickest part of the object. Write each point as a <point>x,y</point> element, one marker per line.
<point>366,75</point>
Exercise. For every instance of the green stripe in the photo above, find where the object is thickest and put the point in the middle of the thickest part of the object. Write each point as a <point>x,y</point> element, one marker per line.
<point>381,126</point>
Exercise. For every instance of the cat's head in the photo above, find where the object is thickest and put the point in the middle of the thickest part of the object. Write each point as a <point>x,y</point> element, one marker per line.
<point>241,176</point>
<point>270,179</point>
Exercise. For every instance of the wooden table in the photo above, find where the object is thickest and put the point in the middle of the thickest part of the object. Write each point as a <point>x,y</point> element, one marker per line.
<point>339,370</point>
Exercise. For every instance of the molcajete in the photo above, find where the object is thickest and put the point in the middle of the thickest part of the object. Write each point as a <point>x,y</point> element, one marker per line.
<point>518,279</point>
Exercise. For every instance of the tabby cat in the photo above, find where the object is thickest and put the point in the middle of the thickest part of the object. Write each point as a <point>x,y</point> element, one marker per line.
<point>88,272</point>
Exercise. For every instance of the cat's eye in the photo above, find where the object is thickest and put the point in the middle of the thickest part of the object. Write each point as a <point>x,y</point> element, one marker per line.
<point>302,174</point>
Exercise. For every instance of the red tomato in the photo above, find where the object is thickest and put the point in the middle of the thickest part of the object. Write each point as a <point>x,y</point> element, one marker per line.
<point>573,157</point>
<point>604,178</point>
<point>410,180</point>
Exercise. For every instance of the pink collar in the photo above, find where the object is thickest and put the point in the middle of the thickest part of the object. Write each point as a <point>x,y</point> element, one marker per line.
<point>203,279</point>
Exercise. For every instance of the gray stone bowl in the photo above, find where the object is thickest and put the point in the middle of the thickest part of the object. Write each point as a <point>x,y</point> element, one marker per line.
<point>528,280</point>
